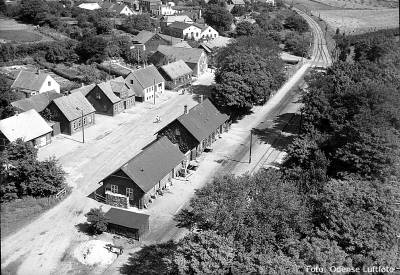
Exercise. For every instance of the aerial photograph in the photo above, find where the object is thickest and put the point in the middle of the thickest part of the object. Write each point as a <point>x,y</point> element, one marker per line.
<point>227,137</point>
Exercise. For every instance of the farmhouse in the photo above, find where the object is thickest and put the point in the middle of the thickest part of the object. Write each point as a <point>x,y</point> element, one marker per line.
<point>196,59</point>
<point>69,111</point>
<point>111,97</point>
<point>139,181</point>
<point>127,223</point>
<point>183,30</point>
<point>119,9</point>
<point>28,126</point>
<point>146,82</point>
<point>149,41</point>
<point>207,32</point>
<point>176,74</point>
<point>164,10</point>
<point>31,83</point>
<point>196,130</point>
<point>37,102</point>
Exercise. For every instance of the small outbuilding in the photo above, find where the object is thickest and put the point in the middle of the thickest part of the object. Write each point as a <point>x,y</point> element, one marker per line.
<point>127,223</point>
<point>176,74</point>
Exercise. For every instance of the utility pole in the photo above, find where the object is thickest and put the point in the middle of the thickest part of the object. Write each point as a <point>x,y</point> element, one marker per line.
<point>251,141</point>
<point>83,126</point>
<point>154,91</point>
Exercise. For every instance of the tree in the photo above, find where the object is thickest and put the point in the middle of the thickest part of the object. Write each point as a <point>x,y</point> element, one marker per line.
<point>3,7</point>
<point>139,22</point>
<point>218,18</point>
<point>33,11</point>
<point>297,23</point>
<point>97,219</point>
<point>297,44</point>
<point>246,28</point>
<point>6,97</point>
<point>92,48</point>
<point>360,217</point>
<point>103,26</point>
<point>238,11</point>
<point>91,74</point>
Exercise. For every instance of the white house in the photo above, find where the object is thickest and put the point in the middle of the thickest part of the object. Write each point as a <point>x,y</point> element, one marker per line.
<point>120,9</point>
<point>271,2</point>
<point>90,6</point>
<point>183,30</point>
<point>207,32</point>
<point>31,83</point>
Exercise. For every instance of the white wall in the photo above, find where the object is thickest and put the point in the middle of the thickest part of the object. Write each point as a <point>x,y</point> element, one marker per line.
<point>46,87</point>
<point>187,33</point>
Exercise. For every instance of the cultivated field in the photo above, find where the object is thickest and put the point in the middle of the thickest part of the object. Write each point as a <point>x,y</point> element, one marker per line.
<point>315,5</point>
<point>359,21</point>
<point>12,31</point>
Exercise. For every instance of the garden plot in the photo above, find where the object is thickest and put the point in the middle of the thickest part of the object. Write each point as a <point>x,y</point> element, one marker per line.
<point>359,21</point>
<point>12,31</point>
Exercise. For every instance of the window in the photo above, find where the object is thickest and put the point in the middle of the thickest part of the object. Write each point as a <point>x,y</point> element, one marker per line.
<point>114,188</point>
<point>90,119</point>
<point>49,83</point>
<point>74,125</point>
<point>80,123</point>
<point>129,192</point>
<point>84,121</point>
<point>98,95</point>
<point>131,81</point>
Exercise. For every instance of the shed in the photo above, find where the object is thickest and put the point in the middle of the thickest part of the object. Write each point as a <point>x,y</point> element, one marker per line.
<point>127,223</point>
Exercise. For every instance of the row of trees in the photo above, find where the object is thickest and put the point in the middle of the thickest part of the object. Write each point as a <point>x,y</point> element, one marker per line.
<point>22,174</point>
<point>330,205</point>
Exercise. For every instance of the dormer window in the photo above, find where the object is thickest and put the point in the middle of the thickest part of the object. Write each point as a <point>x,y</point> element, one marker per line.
<point>49,83</point>
<point>131,81</point>
<point>98,95</point>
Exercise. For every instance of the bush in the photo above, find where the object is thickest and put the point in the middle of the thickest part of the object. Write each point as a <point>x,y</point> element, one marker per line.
<point>97,219</point>
<point>297,23</point>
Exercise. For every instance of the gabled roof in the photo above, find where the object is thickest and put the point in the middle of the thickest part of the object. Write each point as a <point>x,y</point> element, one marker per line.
<point>120,89</point>
<point>181,25</point>
<point>29,80</point>
<point>237,2</point>
<point>37,102</point>
<point>27,125</point>
<point>152,164</point>
<point>218,42</point>
<point>84,90</point>
<point>191,55</point>
<point>176,69</point>
<point>171,39</point>
<point>127,218</point>
<point>68,106</point>
<point>202,120</point>
<point>177,18</point>
<point>143,36</point>
<point>144,78</point>
<point>108,91</point>
<point>183,44</point>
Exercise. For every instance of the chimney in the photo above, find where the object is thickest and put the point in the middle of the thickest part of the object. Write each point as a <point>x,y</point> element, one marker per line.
<point>185,109</point>
<point>201,98</point>
<point>82,84</point>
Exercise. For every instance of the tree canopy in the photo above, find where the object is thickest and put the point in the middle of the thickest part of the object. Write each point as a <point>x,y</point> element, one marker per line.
<point>218,17</point>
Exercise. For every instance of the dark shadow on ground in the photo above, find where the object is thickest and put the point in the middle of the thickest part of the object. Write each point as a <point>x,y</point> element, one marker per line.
<point>198,90</point>
<point>84,228</point>
<point>284,130</point>
<point>150,260</point>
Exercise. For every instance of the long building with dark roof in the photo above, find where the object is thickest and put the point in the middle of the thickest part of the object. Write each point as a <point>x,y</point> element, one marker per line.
<point>140,179</point>
<point>196,129</point>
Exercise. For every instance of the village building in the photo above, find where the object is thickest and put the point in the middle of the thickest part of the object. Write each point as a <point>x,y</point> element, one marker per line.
<point>176,74</point>
<point>127,223</point>
<point>132,4</point>
<point>149,41</point>
<point>37,102</point>
<point>72,112</point>
<point>195,58</point>
<point>118,9</point>
<point>28,126</point>
<point>145,176</point>
<point>146,83</point>
<point>239,3</point>
<point>84,89</point>
<point>196,129</point>
<point>165,10</point>
<point>207,32</point>
<point>33,83</point>
<point>169,19</point>
<point>90,6</point>
<point>183,30</point>
<point>149,5</point>
<point>111,97</point>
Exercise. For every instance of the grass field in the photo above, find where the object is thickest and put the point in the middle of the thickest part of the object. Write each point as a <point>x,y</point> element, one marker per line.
<point>20,36</point>
<point>360,21</point>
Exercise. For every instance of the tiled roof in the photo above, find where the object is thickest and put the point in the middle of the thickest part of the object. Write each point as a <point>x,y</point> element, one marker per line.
<point>171,39</point>
<point>180,25</point>
<point>143,36</point>
<point>218,42</point>
<point>84,90</point>
<point>27,125</point>
<point>176,69</point>
<point>127,218</point>
<point>38,102</point>
<point>29,80</point>
<point>202,120</point>
<point>153,163</point>
<point>121,90</point>
<point>188,55</point>
<point>68,106</point>
<point>177,18</point>
<point>144,78</point>
<point>108,91</point>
